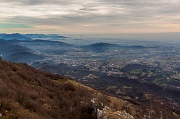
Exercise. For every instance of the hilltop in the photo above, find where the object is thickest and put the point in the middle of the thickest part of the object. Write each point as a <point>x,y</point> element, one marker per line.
<point>28,93</point>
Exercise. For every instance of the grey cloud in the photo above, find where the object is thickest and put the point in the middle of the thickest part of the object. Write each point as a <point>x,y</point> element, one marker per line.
<point>67,20</point>
<point>39,2</point>
<point>117,13</point>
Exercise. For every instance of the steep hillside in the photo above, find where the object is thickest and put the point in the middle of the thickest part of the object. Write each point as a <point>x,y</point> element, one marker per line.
<point>26,93</point>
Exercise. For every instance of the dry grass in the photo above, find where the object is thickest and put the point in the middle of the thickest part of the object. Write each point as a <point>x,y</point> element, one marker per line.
<point>31,94</point>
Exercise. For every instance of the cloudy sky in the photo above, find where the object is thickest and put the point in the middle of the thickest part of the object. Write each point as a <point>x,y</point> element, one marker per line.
<point>89,16</point>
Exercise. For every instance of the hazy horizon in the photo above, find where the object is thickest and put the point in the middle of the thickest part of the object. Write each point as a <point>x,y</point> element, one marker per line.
<point>169,36</point>
<point>119,39</point>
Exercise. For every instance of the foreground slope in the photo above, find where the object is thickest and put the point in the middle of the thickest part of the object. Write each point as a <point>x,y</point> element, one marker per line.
<point>27,93</point>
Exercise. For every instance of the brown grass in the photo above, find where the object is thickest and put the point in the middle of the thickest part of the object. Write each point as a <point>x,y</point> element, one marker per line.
<point>31,94</point>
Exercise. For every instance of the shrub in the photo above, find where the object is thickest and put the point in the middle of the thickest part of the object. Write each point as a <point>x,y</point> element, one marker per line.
<point>69,87</point>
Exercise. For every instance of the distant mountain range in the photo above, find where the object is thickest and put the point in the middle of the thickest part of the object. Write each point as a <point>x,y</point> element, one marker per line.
<point>18,36</point>
<point>45,42</point>
<point>14,36</point>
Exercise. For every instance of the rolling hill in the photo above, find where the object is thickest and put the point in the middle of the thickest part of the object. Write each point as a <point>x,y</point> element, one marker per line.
<point>9,50</point>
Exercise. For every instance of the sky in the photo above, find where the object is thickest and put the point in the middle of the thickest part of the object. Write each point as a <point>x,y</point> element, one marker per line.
<point>89,16</point>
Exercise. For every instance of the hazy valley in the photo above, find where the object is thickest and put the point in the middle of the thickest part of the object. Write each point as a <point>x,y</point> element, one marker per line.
<point>145,73</point>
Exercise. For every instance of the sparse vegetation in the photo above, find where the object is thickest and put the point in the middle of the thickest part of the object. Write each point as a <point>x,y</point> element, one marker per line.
<point>27,93</point>
<point>30,94</point>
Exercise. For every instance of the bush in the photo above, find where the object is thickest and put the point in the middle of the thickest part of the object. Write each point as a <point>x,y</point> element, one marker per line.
<point>69,87</point>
